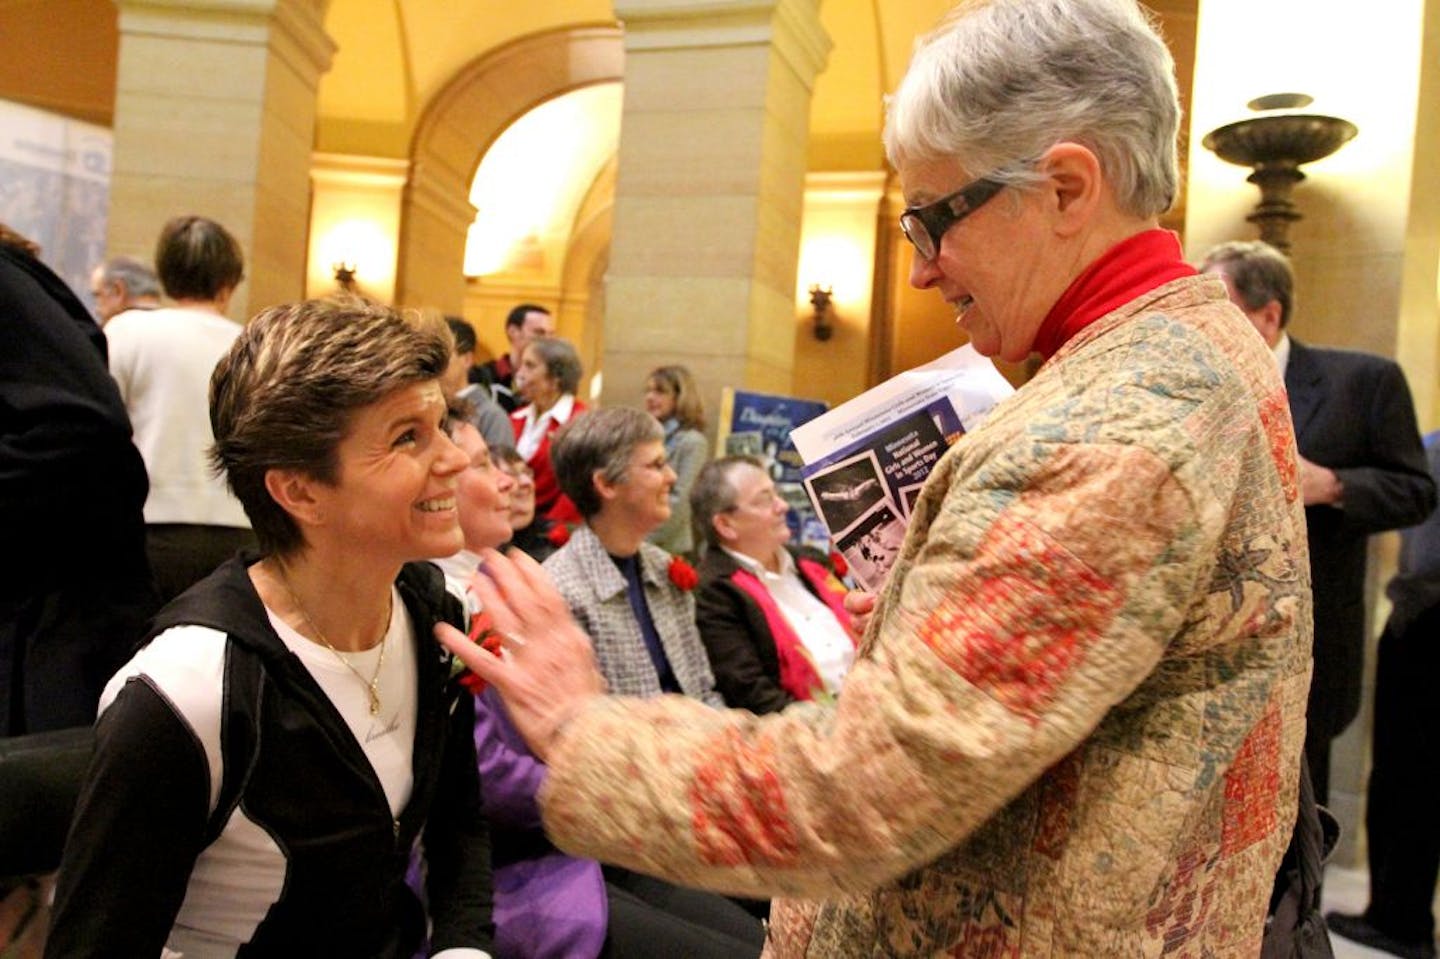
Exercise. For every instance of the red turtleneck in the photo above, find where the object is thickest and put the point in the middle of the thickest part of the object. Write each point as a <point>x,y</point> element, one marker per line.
<point>1128,269</point>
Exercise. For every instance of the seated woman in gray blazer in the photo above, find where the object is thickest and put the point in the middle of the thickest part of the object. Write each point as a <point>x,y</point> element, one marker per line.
<point>632,597</point>
<point>637,603</point>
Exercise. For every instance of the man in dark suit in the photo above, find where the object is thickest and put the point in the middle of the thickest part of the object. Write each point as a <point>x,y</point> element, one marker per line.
<point>526,322</point>
<point>1362,471</point>
<point>1402,834</point>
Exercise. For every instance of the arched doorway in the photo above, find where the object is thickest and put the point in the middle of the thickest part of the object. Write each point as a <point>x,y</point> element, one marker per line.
<point>459,125</point>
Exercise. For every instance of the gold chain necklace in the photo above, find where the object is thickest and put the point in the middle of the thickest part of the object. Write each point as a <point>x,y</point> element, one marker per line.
<point>372,685</point>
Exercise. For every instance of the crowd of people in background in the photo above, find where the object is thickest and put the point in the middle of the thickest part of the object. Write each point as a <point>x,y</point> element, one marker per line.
<point>657,712</point>
<point>299,467</point>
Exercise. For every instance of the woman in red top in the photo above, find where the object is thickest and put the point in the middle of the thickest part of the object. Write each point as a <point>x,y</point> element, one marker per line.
<point>546,379</point>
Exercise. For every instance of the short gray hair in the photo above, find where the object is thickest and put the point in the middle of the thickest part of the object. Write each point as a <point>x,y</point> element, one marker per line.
<point>999,82</point>
<point>1258,272</point>
<point>138,278</point>
<point>714,493</point>
<point>602,440</point>
<point>560,359</point>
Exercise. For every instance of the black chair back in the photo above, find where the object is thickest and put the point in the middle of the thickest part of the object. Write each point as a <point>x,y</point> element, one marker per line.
<point>40,779</point>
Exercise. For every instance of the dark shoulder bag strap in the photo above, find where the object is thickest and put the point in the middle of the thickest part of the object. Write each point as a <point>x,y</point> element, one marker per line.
<point>1297,930</point>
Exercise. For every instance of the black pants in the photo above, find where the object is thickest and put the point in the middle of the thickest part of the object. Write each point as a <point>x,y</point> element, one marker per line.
<point>650,917</point>
<point>1401,810</point>
<point>1317,754</point>
<point>182,554</point>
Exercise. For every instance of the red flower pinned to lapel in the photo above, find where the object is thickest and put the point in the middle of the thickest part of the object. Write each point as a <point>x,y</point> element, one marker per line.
<point>482,631</point>
<point>682,574</point>
<point>837,563</point>
<point>558,535</point>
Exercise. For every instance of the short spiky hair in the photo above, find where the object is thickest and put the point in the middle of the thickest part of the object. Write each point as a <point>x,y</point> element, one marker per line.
<point>284,396</point>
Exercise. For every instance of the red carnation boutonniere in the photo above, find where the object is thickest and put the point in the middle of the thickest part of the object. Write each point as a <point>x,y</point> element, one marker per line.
<point>837,563</point>
<point>682,574</point>
<point>558,535</point>
<point>482,631</point>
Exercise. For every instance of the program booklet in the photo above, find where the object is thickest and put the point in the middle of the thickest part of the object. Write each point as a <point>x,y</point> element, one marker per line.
<point>865,460</point>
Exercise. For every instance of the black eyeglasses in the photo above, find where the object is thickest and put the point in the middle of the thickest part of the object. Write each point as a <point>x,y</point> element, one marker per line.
<point>924,225</point>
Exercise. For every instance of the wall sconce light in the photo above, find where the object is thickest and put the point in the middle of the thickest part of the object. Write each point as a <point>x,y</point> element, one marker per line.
<point>820,299</point>
<point>345,275</point>
<point>1276,144</point>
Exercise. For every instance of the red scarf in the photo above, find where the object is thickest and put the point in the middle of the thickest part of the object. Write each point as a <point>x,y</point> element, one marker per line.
<point>798,675</point>
<point>830,590</point>
<point>1128,269</point>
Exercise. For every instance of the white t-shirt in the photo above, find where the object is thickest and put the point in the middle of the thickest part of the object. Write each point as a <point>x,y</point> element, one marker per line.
<point>388,739</point>
<point>162,361</point>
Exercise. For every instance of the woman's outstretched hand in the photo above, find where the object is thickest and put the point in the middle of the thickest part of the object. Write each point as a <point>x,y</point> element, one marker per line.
<point>546,672</point>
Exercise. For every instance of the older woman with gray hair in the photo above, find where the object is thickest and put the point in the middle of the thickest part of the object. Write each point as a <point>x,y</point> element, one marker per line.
<point>770,616</point>
<point>633,598</point>
<point>546,379</point>
<point>635,602</point>
<point>1073,727</point>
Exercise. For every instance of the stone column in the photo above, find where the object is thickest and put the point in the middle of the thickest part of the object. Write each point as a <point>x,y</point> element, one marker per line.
<point>215,115</point>
<point>1365,251</point>
<point>436,217</point>
<point>710,191</point>
<point>354,219</point>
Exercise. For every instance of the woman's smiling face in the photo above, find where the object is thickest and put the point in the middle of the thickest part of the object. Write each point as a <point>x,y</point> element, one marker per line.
<point>394,494</point>
<point>995,267</point>
<point>483,493</point>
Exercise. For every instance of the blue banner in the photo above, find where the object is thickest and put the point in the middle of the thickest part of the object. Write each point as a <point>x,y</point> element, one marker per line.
<point>759,425</point>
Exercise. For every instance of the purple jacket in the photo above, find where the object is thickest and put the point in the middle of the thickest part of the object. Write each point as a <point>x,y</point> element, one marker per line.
<point>547,904</point>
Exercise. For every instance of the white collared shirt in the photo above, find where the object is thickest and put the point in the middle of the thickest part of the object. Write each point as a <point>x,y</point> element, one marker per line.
<point>458,569</point>
<point>822,635</point>
<point>1282,353</point>
<point>533,428</point>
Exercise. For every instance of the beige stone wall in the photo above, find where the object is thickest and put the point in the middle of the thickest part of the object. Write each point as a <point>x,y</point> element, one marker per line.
<point>214,115</point>
<point>354,219</point>
<point>837,251</point>
<point>709,196</point>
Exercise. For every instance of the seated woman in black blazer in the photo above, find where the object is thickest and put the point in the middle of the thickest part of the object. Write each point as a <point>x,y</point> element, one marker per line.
<point>771,617</point>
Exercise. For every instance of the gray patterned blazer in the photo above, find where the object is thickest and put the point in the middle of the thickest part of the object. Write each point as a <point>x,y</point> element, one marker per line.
<point>595,590</point>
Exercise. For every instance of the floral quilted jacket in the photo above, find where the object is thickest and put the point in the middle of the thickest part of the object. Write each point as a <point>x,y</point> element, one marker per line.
<point>1074,725</point>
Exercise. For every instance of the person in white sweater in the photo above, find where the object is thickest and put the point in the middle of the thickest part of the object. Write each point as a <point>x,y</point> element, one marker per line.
<point>162,360</point>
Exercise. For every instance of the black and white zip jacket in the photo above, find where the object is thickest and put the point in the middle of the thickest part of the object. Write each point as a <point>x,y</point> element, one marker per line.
<point>235,734</point>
